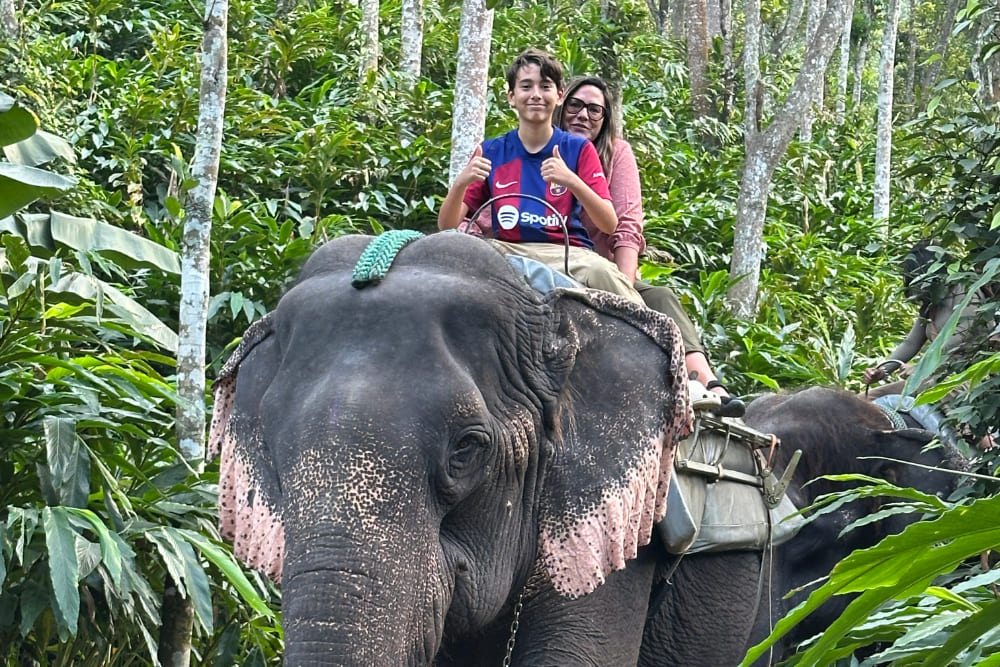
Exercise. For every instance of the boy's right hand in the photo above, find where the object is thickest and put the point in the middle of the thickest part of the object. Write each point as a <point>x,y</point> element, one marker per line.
<point>478,169</point>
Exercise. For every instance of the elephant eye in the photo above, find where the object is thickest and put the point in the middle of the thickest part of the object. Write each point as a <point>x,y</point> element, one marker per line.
<point>465,448</point>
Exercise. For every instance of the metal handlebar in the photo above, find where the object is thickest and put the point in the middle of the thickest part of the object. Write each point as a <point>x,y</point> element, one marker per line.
<point>559,216</point>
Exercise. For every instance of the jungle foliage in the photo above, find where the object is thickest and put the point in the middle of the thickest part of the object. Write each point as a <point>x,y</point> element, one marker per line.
<point>99,514</point>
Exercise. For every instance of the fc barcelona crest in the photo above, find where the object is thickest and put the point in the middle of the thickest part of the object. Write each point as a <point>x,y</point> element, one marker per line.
<point>557,190</point>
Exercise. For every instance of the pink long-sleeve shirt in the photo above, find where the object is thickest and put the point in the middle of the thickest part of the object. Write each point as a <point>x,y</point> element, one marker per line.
<point>626,197</point>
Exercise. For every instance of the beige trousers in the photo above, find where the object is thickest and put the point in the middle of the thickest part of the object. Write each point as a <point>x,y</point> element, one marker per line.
<point>585,266</point>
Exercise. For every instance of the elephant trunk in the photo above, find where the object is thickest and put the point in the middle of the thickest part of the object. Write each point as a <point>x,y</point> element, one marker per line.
<point>352,616</point>
<point>364,581</point>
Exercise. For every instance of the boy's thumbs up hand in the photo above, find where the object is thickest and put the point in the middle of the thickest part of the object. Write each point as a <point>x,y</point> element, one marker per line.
<point>478,168</point>
<point>555,170</point>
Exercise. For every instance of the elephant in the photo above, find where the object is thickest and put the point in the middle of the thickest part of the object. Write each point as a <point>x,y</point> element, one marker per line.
<point>710,608</point>
<point>442,465</point>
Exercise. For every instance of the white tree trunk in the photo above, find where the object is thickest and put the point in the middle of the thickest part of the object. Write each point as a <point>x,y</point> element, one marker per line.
<point>197,233</point>
<point>369,38</point>
<point>786,37</point>
<point>8,19</point>
<point>859,70</point>
<point>765,147</point>
<point>986,72</point>
<point>471,77</point>
<point>174,649</point>
<point>883,137</point>
<point>844,65</point>
<point>412,37</point>
<point>816,9</point>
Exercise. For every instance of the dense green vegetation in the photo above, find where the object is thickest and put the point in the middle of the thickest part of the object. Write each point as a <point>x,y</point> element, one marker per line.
<point>93,489</point>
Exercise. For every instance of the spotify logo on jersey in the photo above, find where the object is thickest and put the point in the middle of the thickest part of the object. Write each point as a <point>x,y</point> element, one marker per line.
<point>507,217</point>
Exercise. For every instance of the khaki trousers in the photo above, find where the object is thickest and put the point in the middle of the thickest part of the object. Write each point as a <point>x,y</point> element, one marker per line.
<point>585,266</point>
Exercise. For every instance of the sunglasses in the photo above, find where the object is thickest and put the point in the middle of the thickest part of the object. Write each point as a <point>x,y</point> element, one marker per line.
<point>575,105</point>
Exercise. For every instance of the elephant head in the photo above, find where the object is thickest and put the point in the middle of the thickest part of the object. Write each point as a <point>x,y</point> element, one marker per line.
<point>414,459</point>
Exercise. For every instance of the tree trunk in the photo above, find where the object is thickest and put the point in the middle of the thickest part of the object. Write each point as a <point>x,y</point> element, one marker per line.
<point>8,19</point>
<point>369,38</point>
<point>864,42</point>
<point>713,18</point>
<point>909,86</point>
<point>786,37</point>
<point>177,616</point>
<point>677,20</point>
<point>660,11</point>
<point>930,76</point>
<point>411,37</point>
<point>285,7</point>
<point>697,56</point>
<point>883,139</point>
<point>986,72</point>
<point>765,147</point>
<point>844,65</point>
<point>728,64</point>
<point>816,9</point>
<point>471,77</point>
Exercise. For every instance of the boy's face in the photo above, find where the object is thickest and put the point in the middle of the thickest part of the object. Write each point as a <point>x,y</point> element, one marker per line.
<point>534,98</point>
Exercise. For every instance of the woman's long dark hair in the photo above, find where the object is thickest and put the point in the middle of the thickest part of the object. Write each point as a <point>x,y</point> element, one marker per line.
<point>605,140</point>
<point>927,286</point>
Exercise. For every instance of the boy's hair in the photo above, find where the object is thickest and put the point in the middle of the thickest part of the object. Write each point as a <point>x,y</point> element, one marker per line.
<point>605,140</point>
<point>549,66</point>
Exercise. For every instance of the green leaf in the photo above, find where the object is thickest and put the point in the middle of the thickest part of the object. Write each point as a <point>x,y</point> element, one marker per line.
<point>40,149</point>
<point>965,635</point>
<point>69,463</point>
<point>231,569</point>
<point>950,596</point>
<point>185,570</point>
<point>60,540</point>
<point>126,249</point>
<point>899,566</point>
<point>111,555</point>
<point>21,185</point>
<point>931,359</point>
<point>86,288</point>
<point>16,122</point>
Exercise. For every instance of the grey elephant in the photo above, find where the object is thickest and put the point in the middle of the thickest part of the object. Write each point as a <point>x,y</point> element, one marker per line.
<point>710,608</point>
<point>438,456</point>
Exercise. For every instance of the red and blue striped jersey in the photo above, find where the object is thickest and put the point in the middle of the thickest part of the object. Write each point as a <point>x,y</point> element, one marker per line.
<point>516,171</point>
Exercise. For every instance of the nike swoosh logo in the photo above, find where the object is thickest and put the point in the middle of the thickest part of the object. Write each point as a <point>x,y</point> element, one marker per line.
<point>501,186</point>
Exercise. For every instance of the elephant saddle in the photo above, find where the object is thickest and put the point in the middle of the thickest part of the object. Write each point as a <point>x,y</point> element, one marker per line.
<point>722,494</point>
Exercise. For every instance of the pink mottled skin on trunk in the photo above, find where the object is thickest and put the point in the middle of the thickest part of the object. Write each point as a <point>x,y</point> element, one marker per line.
<point>257,534</point>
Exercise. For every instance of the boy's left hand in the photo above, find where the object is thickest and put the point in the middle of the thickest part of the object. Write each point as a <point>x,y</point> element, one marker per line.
<point>555,170</point>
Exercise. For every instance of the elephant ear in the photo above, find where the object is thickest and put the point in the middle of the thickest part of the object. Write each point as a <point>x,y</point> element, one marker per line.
<point>249,495</point>
<point>623,407</point>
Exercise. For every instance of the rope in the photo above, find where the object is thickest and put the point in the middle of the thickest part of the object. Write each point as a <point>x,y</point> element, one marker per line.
<point>374,263</point>
<point>895,419</point>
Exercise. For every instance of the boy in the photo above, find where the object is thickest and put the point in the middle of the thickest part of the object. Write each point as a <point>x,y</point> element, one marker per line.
<point>540,160</point>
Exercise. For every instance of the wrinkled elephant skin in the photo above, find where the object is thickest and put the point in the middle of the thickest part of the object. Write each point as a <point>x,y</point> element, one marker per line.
<point>412,458</point>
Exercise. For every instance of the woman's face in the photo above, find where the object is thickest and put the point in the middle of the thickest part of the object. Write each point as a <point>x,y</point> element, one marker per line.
<point>580,122</point>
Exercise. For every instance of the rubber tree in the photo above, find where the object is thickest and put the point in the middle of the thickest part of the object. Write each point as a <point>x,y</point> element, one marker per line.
<point>175,635</point>
<point>765,146</point>
<point>883,133</point>
<point>471,78</point>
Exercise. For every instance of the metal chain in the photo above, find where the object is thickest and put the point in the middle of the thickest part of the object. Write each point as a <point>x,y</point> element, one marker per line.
<point>513,627</point>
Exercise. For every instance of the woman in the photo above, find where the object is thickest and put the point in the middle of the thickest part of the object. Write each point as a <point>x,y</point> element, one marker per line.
<point>588,111</point>
<point>937,302</point>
